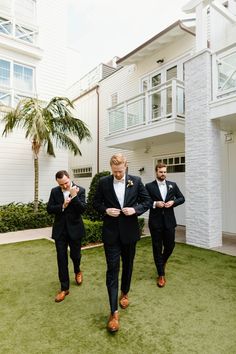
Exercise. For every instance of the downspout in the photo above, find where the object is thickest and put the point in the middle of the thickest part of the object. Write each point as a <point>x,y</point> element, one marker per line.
<point>98,127</point>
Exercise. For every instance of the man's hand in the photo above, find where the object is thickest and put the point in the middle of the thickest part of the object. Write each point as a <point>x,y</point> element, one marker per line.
<point>160,204</point>
<point>169,204</point>
<point>128,211</point>
<point>66,202</point>
<point>74,191</point>
<point>113,212</point>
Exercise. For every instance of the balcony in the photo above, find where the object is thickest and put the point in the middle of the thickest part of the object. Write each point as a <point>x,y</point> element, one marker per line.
<point>154,115</point>
<point>223,105</point>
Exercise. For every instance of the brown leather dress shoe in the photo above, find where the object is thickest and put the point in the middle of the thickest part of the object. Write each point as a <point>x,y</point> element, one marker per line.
<point>113,322</point>
<point>61,295</point>
<point>161,282</point>
<point>124,301</point>
<point>79,278</point>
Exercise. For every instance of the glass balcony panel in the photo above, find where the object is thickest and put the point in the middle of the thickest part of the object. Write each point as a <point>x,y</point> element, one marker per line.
<point>180,101</point>
<point>135,113</point>
<point>116,120</point>
<point>227,72</point>
<point>158,103</point>
<point>169,101</point>
<point>156,106</point>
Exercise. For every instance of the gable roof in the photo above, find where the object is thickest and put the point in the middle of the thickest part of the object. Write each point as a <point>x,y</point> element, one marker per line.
<point>164,37</point>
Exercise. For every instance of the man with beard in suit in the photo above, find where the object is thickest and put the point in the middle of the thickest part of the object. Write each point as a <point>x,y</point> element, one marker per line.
<point>165,197</point>
<point>121,198</point>
<point>67,203</point>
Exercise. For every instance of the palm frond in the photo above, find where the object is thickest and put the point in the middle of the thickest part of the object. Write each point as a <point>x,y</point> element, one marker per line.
<point>65,141</point>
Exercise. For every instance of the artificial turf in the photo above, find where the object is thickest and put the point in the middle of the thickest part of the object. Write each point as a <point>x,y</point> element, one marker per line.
<point>194,313</point>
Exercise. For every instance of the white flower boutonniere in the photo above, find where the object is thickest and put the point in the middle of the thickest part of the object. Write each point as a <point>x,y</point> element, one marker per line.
<point>130,183</point>
<point>170,186</point>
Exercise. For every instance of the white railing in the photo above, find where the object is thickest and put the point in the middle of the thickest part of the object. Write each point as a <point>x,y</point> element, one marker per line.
<point>226,74</point>
<point>10,28</point>
<point>161,102</point>
<point>10,97</point>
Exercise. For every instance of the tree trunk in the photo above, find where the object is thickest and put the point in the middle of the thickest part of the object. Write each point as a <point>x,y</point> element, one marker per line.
<point>36,183</point>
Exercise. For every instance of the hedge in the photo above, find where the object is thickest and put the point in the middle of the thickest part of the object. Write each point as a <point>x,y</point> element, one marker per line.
<point>19,216</point>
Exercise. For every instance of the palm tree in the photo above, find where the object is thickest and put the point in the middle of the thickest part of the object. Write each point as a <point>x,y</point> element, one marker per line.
<point>45,124</point>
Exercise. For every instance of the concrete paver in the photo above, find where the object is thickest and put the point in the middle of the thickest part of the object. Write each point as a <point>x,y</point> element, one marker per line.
<point>228,247</point>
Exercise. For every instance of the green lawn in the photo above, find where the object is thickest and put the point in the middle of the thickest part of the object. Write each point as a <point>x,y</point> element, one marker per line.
<point>194,313</point>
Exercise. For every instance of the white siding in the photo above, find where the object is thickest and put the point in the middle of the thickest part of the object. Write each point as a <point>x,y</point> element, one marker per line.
<point>86,107</point>
<point>17,168</point>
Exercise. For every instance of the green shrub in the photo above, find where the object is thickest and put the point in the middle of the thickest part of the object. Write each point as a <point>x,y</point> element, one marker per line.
<point>90,212</point>
<point>94,231</point>
<point>19,216</point>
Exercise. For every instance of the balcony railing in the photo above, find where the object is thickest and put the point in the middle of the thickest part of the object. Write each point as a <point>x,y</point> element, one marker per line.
<point>12,29</point>
<point>160,103</point>
<point>226,74</point>
<point>11,97</point>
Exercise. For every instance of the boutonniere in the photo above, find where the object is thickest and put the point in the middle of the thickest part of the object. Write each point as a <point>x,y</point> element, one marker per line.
<point>130,183</point>
<point>170,186</point>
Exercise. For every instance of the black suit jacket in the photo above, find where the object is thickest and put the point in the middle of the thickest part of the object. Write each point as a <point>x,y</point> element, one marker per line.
<point>70,219</point>
<point>124,227</point>
<point>163,217</point>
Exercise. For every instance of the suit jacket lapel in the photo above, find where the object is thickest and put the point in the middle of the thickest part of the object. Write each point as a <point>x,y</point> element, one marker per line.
<point>60,195</point>
<point>111,187</point>
<point>157,189</point>
<point>168,188</point>
<point>127,189</point>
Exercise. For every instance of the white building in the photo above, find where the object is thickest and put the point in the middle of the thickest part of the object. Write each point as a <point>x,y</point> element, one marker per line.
<point>173,99</point>
<point>33,52</point>
<point>85,96</point>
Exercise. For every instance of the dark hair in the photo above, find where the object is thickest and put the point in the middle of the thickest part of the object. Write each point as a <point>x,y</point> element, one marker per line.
<point>62,173</point>
<point>160,165</point>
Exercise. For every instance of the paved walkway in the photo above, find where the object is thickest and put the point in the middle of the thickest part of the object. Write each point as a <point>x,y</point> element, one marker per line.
<point>228,247</point>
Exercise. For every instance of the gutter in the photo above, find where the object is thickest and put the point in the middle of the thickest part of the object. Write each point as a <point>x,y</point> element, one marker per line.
<point>166,30</point>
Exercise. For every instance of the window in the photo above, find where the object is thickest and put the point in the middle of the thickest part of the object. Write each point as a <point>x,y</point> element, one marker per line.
<point>4,73</point>
<point>16,81</point>
<point>174,164</point>
<point>82,172</point>
<point>23,77</point>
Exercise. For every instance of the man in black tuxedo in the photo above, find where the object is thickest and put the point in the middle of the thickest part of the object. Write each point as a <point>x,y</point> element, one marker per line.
<point>121,198</point>
<point>165,197</point>
<point>67,203</point>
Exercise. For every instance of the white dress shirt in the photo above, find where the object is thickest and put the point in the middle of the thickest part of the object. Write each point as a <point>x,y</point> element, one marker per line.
<point>163,189</point>
<point>119,187</point>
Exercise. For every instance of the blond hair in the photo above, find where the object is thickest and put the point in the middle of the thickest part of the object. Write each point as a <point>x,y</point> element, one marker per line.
<point>118,159</point>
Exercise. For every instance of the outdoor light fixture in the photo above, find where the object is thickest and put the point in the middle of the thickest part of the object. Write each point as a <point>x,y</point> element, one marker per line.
<point>141,170</point>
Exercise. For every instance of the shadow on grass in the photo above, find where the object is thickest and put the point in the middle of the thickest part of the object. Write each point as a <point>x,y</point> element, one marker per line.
<point>194,313</point>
